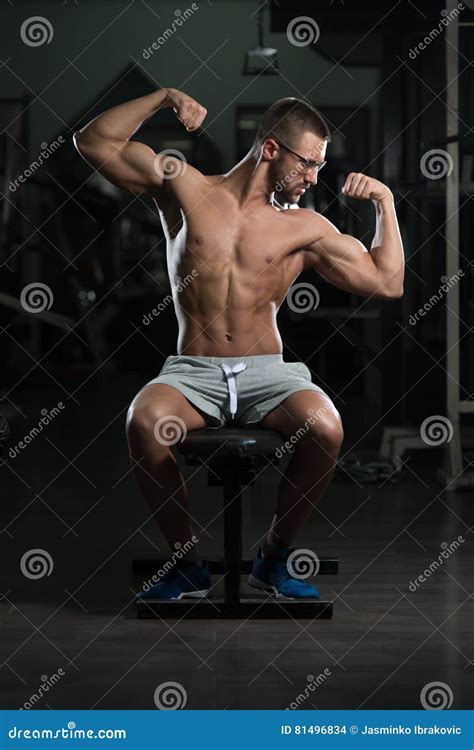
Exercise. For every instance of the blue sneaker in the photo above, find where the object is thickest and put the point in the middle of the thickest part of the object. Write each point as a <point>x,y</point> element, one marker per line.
<point>271,574</point>
<point>184,579</point>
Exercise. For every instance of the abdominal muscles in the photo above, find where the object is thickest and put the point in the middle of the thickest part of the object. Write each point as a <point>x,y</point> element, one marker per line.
<point>227,308</point>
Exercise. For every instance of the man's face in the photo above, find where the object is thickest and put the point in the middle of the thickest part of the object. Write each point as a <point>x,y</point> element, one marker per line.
<point>289,175</point>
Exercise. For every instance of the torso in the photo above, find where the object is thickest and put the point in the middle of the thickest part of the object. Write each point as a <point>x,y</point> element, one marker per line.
<point>229,269</point>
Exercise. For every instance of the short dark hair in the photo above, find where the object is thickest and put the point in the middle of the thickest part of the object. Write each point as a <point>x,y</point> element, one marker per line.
<point>287,118</point>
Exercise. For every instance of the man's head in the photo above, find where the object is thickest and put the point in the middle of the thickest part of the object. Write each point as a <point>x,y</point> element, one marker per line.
<point>292,137</point>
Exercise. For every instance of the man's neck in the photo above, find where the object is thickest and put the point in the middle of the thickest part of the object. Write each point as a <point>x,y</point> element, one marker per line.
<point>247,181</point>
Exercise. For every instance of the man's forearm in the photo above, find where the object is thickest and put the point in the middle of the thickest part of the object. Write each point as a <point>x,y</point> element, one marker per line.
<point>387,248</point>
<point>121,122</point>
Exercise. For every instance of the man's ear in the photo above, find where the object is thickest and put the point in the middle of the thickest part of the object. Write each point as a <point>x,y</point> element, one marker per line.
<point>270,149</point>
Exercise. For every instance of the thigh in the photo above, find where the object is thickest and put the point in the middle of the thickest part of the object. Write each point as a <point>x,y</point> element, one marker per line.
<point>302,407</point>
<point>160,401</point>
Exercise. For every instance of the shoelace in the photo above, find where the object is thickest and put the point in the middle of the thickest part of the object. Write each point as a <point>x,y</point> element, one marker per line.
<point>172,573</point>
<point>176,571</point>
<point>282,574</point>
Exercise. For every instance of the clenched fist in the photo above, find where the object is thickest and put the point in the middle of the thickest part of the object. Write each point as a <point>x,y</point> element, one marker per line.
<point>188,111</point>
<point>360,186</point>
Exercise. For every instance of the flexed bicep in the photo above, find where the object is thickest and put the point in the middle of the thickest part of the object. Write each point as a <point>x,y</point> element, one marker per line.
<point>106,143</point>
<point>130,165</point>
<point>343,261</point>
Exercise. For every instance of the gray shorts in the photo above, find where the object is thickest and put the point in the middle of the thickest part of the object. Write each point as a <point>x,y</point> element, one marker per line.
<point>235,390</point>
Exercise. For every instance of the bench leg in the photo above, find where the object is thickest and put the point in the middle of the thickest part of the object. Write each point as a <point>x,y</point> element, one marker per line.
<point>232,536</point>
<point>233,607</point>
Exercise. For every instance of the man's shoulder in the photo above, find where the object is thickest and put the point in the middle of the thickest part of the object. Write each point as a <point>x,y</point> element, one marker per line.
<point>189,177</point>
<point>307,221</point>
<point>307,214</point>
<point>183,180</point>
<point>314,221</point>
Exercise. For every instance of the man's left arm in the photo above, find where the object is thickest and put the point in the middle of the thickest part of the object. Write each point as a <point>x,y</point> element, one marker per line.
<point>344,261</point>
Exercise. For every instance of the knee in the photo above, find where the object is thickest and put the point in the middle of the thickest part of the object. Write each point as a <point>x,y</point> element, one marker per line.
<point>139,419</point>
<point>328,432</point>
<point>152,421</point>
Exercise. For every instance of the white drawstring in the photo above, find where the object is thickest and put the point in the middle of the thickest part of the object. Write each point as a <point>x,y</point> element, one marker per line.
<point>230,374</point>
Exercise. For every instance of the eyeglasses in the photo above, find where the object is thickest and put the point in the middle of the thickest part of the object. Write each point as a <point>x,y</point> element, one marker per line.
<point>307,164</point>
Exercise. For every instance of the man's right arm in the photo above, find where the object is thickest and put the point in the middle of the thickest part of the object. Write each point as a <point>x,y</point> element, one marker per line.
<point>130,165</point>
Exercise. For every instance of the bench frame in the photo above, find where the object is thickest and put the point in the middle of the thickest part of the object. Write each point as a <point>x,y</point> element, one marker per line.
<point>233,466</point>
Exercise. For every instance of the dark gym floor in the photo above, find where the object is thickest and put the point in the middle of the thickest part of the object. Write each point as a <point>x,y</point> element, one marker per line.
<point>70,492</point>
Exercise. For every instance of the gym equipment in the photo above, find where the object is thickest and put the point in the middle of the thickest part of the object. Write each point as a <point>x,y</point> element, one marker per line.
<point>231,456</point>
